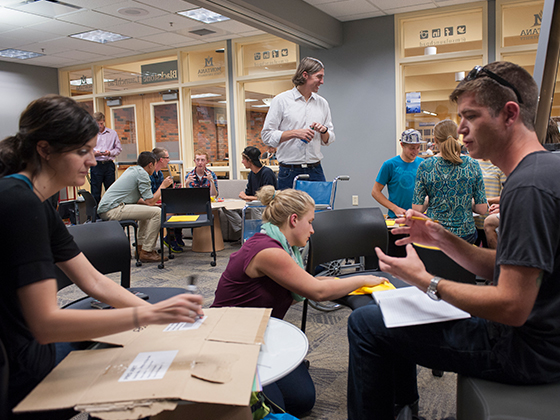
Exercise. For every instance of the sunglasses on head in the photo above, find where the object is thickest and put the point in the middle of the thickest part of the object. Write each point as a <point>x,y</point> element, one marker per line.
<point>479,71</point>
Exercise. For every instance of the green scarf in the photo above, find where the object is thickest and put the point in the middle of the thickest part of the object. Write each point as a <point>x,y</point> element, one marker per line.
<point>274,232</point>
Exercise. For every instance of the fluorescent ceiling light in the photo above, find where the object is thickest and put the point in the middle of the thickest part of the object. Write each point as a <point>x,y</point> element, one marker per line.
<point>205,95</point>
<point>203,15</point>
<point>102,37</point>
<point>429,113</point>
<point>251,100</point>
<point>19,54</point>
<point>260,106</point>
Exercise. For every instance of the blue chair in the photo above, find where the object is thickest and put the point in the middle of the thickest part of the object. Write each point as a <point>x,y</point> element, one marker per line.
<point>323,192</point>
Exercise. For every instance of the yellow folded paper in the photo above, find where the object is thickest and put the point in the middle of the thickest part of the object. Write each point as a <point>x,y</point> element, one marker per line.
<point>191,218</point>
<point>367,290</point>
<point>390,222</point>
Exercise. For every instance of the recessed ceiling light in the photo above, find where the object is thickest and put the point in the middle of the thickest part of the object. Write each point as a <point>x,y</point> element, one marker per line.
<point>102,37</point>
<point>19,54</point>
<point>133,11</point>
<point>203,15</point>
<point>205,95</point>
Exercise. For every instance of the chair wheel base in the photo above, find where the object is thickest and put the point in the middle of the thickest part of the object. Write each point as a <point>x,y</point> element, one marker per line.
<point>171,256</point>
<point>160,266</point>
<point>213,263</point>
<point>138,263</point>
<point>437,373</point>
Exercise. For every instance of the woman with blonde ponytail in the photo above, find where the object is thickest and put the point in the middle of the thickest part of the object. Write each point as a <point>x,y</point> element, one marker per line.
<point>452,183</point>
<point>268,272</point>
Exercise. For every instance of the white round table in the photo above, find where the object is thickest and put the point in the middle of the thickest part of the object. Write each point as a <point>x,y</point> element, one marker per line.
<point>285,346</point>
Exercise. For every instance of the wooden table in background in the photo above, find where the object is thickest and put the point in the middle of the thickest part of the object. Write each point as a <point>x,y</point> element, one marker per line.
<point>202,237</point>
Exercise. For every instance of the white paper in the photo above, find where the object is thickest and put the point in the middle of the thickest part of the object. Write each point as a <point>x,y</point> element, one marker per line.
<point>183,326</point>
<point>410,306</point>
<point>149,365</point>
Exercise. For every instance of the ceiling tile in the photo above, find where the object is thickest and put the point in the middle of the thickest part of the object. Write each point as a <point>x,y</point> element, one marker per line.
<point>17,18</point>
<point>169,38</point>
<point>49,61</point>
<point>137,44</point>
<point>392,4</point>
<point>407,9</point>
<point>163,22</point>
<point>116,9</point>
<point>348,7</point>
<point>89,4</point>
<point>28,35</point>
<point>59,27</point>
<point>93,19</point>
<point>135,29</point>
<point>82,56</point>
<point>169,5</point>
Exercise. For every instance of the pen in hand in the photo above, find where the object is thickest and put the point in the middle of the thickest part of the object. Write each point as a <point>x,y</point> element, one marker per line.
<point>192,289</point>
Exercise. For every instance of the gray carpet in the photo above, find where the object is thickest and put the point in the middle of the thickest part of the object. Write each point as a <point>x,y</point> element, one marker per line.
<point>328,346</point>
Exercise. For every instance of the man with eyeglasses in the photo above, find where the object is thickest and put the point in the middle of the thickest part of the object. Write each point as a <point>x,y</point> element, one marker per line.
<point>174,239</point>
<point>513,335</point>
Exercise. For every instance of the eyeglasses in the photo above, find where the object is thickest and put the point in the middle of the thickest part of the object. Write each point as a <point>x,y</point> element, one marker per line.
<point>166,157</point>
<point>479,71</point>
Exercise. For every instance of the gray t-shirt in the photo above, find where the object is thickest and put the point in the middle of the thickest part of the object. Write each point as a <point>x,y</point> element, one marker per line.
<point>132,185</point>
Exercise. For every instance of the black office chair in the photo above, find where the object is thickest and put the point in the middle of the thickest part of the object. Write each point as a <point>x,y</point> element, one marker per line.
<point>4,380</point>
<point>186,201</point>
<point>346,233</point>
<point>439,264</point>
<point>106,247</point>
<point>91,214</point>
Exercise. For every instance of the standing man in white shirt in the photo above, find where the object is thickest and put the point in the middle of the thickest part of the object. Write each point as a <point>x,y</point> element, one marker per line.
<point>107,149</point>
<point>298,123</point>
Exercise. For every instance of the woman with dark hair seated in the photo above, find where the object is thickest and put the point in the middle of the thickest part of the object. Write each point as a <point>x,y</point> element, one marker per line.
<point>268,272</point>
<point>54,149</point>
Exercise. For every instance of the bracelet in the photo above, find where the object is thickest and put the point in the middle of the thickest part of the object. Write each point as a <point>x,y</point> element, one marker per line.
<point>135,317</point>
<point>324,132</point>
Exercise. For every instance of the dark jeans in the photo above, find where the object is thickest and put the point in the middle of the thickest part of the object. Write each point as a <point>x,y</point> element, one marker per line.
<point>101,174</point>
<point>286,175</point>
<point>294,393</point>
<point>382,361</point>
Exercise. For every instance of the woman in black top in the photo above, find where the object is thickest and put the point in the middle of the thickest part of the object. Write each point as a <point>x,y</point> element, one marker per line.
<point>54,149</point>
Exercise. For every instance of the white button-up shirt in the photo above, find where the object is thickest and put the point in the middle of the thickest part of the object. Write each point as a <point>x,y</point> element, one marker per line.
<point>290,111</point>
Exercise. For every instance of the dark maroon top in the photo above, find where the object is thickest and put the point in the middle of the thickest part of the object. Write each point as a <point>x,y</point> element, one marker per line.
<point>236,288</point>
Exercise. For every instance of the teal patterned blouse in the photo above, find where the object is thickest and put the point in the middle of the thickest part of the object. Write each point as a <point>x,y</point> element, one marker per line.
<point>450,189</point>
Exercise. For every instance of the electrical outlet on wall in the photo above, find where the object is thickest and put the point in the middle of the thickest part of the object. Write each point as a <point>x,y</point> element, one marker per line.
<point>354,200</point>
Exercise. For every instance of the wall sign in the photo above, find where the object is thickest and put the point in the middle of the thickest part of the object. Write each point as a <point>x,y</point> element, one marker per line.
<point>159,72</point>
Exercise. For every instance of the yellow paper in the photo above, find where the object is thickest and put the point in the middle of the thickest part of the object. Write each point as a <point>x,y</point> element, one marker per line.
<point>366,290</point>
<point>191,218</point>
<point>390,222</point>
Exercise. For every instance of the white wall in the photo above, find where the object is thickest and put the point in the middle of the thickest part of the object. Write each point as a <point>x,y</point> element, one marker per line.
<point>19,85</point>
<point>360,88</point>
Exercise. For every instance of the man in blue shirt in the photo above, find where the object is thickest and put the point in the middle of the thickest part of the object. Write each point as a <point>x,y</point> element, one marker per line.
<point>399,174</point>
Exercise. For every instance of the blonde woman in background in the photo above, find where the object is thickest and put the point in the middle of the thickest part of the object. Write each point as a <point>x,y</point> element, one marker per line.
<point>453,184</point>
<point>268,272</point>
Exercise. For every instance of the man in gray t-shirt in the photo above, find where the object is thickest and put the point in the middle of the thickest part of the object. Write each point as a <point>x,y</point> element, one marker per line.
<point>131,197</point>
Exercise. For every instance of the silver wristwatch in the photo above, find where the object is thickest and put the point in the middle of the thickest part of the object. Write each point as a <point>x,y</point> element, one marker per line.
<point>432,288</point>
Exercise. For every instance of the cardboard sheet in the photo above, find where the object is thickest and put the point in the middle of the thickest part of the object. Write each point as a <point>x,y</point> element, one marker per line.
<point>214,363</point>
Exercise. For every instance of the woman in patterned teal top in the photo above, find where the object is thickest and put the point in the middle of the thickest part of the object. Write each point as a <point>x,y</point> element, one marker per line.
<point>452,183</point>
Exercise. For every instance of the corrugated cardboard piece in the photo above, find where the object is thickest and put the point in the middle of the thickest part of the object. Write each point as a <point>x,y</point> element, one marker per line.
<point>214,364</point>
